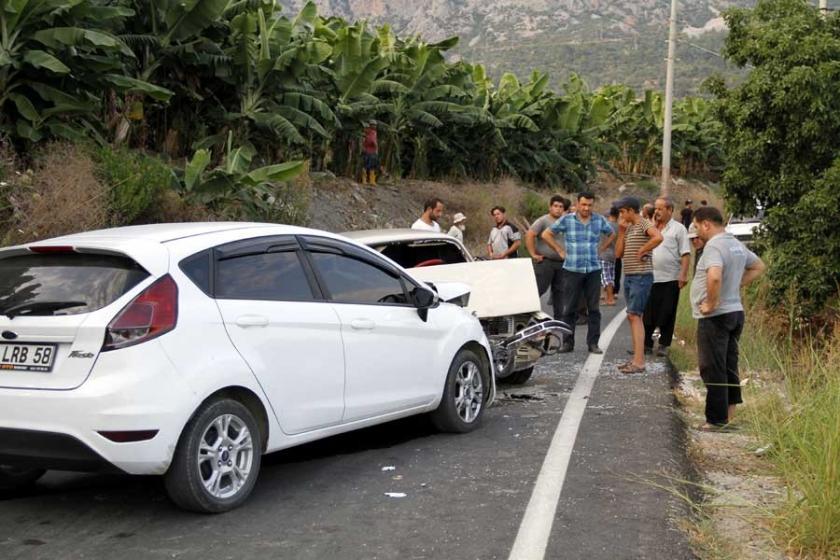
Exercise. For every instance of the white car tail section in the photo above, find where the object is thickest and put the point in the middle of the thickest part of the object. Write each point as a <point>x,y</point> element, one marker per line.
<point>491,284</point>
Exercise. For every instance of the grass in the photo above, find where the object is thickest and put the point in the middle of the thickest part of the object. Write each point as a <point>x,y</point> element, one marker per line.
<point>792,404</point>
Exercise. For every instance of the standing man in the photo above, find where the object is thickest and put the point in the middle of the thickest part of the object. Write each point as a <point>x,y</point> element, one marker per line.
<point>687,214</point>
<point>548,266</point>
<point>725,266</point>
<point>459,224</point>
<point>637,238</point>
<point>370,148</point>
<point>670,274</point>
<point>432,211</point>
<point>608,261</point>
<point>582,233</point>
<point>698,245</point>
<point>505,238</point>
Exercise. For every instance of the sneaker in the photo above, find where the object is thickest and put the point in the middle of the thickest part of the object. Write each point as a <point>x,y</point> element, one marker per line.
<point>662,351</point>
<point>593,349</point>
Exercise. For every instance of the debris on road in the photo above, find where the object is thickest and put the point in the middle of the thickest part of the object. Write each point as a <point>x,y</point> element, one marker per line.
<point>396,494</point>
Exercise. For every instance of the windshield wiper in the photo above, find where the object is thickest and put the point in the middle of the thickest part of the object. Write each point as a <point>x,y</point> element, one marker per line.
<point>40,306</point>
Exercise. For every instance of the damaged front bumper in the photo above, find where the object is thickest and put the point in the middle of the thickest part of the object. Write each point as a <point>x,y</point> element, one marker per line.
<point>524,347</point>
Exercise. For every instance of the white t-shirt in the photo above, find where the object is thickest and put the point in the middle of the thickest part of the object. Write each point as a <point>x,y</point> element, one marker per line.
<point>421,225</point>
<point>456,232</point>
<point>502,238</point>
<point>667,255</point>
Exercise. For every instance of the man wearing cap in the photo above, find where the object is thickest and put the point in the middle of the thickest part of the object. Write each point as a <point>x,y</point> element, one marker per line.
<point>459,224</point>
<point>370,148</point>
<point>637,238</point>
<point>697,243</point>
<point>548,266</point>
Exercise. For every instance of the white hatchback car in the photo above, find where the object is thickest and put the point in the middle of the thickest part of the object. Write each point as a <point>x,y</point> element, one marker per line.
<point>189,350</point>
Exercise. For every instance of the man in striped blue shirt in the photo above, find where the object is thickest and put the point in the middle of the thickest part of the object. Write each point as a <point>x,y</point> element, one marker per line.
<point>585,235</point>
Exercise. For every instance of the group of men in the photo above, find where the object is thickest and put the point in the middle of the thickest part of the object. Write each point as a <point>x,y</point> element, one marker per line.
<point>577,253</point>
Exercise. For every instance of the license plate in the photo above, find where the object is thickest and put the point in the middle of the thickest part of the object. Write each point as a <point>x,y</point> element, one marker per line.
<point>27,357</point>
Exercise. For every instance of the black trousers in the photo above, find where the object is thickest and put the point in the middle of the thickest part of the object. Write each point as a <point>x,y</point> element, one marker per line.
<point>717,350</point>
<point>617,276</point>
<point>588,285</point>
<point>549,275</point>
<point>661,311</point>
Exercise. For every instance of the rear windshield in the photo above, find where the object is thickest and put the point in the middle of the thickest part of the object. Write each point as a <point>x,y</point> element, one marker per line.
<point>409,255</point>
<point>64,283</point>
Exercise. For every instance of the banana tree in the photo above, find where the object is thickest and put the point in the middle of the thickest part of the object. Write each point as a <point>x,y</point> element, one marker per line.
<point>56,57</point>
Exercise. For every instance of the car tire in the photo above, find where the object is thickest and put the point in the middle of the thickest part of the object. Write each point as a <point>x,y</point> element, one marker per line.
<point>217,462</point>
<point>518,377</point>
<point>12,478</point>
<point>464,394</point>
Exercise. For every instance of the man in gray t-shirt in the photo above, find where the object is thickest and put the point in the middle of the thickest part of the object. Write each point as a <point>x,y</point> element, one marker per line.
<point>548,266</point>
<point>725,266</point>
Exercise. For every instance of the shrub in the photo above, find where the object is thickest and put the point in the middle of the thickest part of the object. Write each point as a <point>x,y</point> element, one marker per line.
<point>60,195</point>
<point>533,206</point>
<point>135,180</point>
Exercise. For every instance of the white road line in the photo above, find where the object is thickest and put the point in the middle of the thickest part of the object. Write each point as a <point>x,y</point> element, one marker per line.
<point>535,529</point>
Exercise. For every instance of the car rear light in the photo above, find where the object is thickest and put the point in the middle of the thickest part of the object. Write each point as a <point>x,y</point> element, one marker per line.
<point>151,314</point>
<point>52,249</point>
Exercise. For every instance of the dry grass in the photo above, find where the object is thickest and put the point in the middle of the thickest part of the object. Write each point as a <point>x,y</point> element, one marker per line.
<point>61,195</point>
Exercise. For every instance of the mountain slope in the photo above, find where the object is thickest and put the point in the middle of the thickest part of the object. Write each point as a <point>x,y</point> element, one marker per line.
<point>603,40</point>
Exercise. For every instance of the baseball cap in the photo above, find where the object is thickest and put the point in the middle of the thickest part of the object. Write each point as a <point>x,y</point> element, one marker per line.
<point>692,231</point>
<point>458,218</point>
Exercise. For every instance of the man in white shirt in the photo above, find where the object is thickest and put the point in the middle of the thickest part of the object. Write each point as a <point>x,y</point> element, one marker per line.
<point>505,238</point>
<point>432,211</point>
<point>670,274</point>
<point>459,224</point>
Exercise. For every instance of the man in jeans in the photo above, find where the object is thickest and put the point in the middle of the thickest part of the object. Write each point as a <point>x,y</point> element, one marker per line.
<point>670,275</point>
<point>637,238</point>
<point>582,233</point>
<point>548,266</point>
<point>725,266</point>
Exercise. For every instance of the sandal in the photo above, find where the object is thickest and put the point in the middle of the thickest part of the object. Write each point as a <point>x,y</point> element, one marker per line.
<point>630,367</point>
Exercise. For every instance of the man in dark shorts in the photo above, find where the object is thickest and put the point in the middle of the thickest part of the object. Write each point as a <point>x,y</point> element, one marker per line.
<point>637,238</point>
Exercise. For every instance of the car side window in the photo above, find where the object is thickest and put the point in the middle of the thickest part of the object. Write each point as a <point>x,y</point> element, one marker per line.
<point>276,276</point>
<point>352,280</point>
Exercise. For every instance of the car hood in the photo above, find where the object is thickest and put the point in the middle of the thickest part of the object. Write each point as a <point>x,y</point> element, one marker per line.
<point>497,288</point>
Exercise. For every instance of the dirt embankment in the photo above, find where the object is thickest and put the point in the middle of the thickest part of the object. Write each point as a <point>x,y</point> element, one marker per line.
<point>339,204</point>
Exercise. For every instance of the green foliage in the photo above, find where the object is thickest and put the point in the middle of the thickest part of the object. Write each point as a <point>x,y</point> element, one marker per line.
<point>533,206</point>
<point>776,131</point>
<point>134,180</point>
<point>233,189</point>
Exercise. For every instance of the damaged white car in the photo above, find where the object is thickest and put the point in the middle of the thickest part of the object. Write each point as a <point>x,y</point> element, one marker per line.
<point>503,294</point>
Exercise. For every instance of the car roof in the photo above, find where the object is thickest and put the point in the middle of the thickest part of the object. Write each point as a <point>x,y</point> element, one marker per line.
<point>161,233</point>
<point>378,236</point>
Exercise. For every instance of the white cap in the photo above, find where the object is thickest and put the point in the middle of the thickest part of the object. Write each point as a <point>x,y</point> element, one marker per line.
<point>458,218</point>
<point>692,231</point>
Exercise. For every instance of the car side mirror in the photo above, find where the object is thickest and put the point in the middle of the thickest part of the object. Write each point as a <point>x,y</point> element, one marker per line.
<point>424,299</point>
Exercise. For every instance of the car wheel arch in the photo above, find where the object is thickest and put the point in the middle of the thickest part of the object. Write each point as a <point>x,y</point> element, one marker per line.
<point>247,398</point>
<point>486,362</point>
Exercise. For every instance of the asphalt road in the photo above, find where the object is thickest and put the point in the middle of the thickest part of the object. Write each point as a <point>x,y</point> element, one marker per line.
<point>465,496</point>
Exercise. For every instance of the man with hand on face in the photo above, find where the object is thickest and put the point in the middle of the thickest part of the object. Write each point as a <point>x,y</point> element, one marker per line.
<point>548,266</point>
<point>582,234</point>
<point>637,238</point>
<point>670,275</point>
<point>432,211</point>
<point>505,238</point>
<point>725,266</point>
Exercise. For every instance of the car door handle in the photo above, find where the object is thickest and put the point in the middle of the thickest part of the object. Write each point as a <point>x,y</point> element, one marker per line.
<point>362,324</point>
<point>246,321</point>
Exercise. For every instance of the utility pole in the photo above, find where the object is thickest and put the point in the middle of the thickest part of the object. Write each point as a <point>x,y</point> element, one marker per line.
<point>669,101</point>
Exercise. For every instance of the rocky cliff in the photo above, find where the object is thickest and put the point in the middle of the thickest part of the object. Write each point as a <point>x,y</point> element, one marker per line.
<point>603,40</point>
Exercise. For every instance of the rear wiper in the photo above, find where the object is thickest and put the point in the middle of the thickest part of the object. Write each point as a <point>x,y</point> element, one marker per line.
<point>40,306</point>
